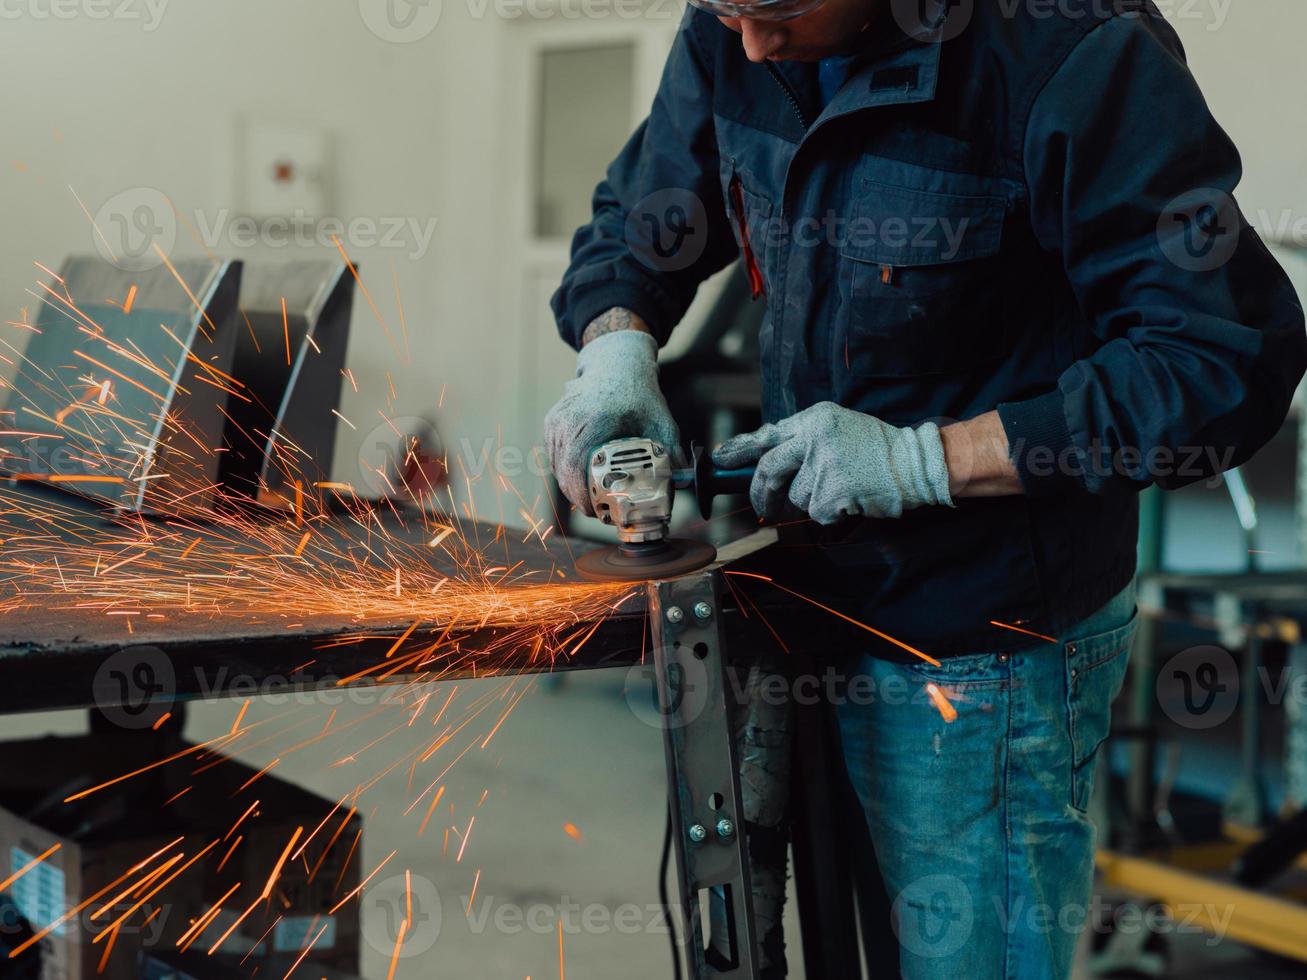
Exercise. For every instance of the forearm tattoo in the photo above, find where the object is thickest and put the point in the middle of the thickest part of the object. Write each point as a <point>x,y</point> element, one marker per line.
<point>610,321</point>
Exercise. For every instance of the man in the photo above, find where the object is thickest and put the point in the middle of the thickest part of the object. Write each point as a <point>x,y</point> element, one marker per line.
<point>1007,288</point>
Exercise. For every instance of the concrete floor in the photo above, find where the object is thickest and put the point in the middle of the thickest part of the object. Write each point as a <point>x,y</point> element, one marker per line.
<point>579,755</point>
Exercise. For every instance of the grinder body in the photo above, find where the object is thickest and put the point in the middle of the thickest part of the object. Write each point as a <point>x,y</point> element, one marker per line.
<point>632,486</point>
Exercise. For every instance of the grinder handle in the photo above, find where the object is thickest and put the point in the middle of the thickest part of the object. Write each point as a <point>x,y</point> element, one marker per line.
<point>711,482</point>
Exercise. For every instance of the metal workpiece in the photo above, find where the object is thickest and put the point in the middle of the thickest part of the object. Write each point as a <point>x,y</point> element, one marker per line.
<point>703,779</point>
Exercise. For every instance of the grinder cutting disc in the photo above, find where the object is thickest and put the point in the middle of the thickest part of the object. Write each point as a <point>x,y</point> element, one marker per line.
<point>675,556</point>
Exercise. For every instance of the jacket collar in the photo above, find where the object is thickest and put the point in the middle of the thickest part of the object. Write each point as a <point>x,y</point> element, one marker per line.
<point>899,66</point>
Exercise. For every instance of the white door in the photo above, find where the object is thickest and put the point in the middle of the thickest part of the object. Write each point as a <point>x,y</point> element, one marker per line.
<point>573,92</point>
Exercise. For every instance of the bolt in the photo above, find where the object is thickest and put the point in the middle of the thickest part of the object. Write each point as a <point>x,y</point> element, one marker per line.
<point>658,450</point>
<point>675,614</point>
<point>698,834</point>
<point>702,610</point>
<point>600,457</point>
<point>725,829</point>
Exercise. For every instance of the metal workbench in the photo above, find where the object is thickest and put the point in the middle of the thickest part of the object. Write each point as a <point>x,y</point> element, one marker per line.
<point>54,657</point>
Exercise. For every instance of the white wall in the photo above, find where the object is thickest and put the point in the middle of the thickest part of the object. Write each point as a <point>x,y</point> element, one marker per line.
<point>103,106</point>
<point>421,130</point>
<point>1247,55</point>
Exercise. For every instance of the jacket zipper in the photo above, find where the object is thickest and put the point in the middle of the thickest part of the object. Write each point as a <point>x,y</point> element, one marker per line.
<point>790,96</point>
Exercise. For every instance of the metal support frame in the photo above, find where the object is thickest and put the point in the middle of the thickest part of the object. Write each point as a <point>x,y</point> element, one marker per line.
<point>703,776</point>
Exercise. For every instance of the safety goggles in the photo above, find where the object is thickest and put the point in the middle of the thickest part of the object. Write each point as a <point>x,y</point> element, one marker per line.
<point>769,10</point>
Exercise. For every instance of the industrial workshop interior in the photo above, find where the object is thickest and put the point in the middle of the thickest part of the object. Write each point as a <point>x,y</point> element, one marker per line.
<point>661,489</point>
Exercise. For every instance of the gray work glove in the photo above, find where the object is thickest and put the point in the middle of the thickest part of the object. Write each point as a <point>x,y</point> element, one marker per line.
<point>832,462</point>
<point>614,395</point>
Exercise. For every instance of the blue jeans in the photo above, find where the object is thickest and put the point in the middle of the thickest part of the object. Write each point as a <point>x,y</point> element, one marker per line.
<point>979,824</point>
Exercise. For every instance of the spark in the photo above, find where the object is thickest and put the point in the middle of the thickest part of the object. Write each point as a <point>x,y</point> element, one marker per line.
<point>942,704</point>
<point>285,329</point>
<point>394,957</point>
<point>28,867</point>
<point>466,837</point>
<point>363,884</point>
<point>839,615</point>
<point>1018,629</point>
<point>208,560</point>
<point>281,861</point>
<point>475,881</point>
<point>305,952</point>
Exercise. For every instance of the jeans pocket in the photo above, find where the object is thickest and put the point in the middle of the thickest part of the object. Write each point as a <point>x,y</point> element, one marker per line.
<point>1095,671</point>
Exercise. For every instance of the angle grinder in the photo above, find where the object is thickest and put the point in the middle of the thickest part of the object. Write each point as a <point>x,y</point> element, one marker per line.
<point>632,485</point>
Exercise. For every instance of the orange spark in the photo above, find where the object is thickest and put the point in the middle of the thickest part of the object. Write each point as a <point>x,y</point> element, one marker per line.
<point>942,704</point>
<point>839,615</point>
<point>399,941</point>
<point>28,867</point>
<point>1018,629</point>
<point>281,861</point>
<point>285,329</point>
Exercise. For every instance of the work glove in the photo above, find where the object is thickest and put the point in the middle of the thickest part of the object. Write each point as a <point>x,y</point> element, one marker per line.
<point>832,462</point>
<point>614,395</point>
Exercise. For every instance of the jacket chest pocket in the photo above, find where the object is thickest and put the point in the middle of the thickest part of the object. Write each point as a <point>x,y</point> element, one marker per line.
<point>921,283</point>
<point>751,220</point>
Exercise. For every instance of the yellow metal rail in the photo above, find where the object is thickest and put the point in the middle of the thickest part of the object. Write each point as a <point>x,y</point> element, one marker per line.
<point>1256,919</point>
